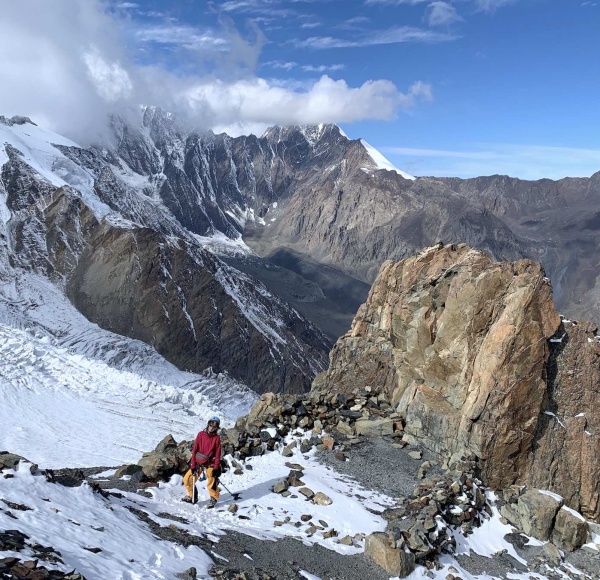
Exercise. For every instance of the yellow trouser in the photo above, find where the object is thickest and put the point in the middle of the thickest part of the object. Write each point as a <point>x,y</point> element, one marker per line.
<point>211,482</point>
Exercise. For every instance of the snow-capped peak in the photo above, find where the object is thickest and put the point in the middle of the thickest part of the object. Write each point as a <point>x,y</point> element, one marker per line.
<point>382,162</point>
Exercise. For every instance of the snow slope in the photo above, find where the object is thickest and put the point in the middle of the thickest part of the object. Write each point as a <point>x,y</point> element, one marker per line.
<point>61,375</point>
<point>382,162</point>
<point>36,148</point>
<point>72,520</point>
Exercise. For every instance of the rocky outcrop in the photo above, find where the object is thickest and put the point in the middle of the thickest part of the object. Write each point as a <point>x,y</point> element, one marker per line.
<point>544,516</point>
<point>463,349</point>
<point>11,460</point>
<point>168,458</point>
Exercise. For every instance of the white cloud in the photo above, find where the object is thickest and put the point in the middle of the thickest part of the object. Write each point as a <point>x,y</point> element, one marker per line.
<point>48,75</point>
<point>307,25</point>
<point>322,67</point>
<point>257,103</point>
<point>394,35</point>
<point>111,80</point>
<point>127,5</point>
<point>441,13</point>
<point>483,5</point>
<point>492,5</point>
<point>281,65</point>
<point>182,35</point>
<point>523,161</point>
<point>396,2</point>
<point>70,67</point>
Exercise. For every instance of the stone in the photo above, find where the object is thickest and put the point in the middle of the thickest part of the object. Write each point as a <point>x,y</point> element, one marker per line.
<point>288,449</point>
<point>167,443</point>
<point>293,481</point>
<point>552,553</point>
<point>233,508</point>
<point>189,574</point>
<point>570,530</point>
<point>321,499</point>
<point>346,540</point>
<point>305,446</point>
<point>305,517</point>
<point>328,441</point>
<point>329,534</point>
<point>393,560</point>
<point>307,492</point>
<point>374,427</point>
<point>415,454</point>
<point>344,429</point>
<point>9,460</point>
<point>127,470</point>
<point>294,466</point>
<point>423,469</point>
<point>280,486</point>
<point>536,512</point>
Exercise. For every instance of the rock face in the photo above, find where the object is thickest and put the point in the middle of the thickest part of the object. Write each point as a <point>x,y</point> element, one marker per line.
<point>566,454</point>
<point>462,347</point>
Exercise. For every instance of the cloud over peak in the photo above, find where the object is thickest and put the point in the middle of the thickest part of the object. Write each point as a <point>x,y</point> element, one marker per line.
<point>73,64</point>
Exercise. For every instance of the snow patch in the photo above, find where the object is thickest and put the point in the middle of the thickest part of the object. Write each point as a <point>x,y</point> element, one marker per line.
<point>551,494</point>
<point>382,162</point>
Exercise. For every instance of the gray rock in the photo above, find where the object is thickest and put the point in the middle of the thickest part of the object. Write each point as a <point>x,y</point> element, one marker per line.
<point>570,530</point>
<point>374,427</point>
<point>280,486</point>
<point>552,553</point>
<point>321,499</point>
<point>307,492</point>
<point>535,513</point>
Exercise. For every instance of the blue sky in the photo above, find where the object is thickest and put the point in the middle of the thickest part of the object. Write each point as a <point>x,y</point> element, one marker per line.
<point>463,87</point>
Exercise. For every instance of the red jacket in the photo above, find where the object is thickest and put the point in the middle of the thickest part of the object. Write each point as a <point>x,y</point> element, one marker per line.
<point>207,444</point>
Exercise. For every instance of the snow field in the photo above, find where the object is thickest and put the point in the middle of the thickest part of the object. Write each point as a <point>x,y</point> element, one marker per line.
<point>73,519</point>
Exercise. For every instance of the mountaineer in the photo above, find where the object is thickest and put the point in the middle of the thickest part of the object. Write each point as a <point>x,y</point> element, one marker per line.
<point>206,459</point>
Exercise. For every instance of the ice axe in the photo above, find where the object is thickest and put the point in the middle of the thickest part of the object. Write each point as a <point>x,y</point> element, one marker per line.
<point>235,496</point>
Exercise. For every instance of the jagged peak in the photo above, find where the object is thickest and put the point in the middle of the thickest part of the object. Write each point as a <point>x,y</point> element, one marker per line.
<point>16,120</point>
<point>312,133</point>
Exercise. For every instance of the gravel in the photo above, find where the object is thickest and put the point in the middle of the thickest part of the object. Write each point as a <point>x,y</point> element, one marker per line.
<point>377,464</point>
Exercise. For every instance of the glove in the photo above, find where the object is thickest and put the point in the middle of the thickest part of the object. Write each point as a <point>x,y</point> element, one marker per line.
<point>195,471</point>
<point>216,472</point>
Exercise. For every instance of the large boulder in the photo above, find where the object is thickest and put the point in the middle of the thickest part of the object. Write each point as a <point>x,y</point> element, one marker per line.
<point>374,427</point>
<point>570,530</point>
<point>167,459</point>
<point>534,513</point>
<point>392,559</point>
<point>468,350</point>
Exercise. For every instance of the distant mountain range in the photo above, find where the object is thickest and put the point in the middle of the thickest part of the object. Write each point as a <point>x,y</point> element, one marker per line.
<point>162,234</point>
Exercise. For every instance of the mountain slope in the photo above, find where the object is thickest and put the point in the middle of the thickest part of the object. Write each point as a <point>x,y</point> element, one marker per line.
<point>130,266</point>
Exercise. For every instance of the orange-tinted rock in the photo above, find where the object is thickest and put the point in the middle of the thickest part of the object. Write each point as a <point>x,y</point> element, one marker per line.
<point>460,345</point>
